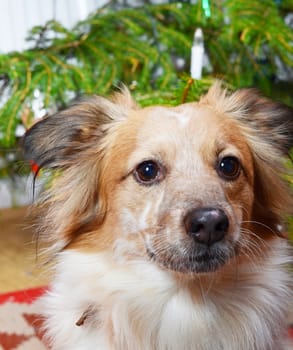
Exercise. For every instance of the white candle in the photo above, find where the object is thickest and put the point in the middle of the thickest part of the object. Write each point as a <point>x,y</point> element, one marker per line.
<point>197,53</point>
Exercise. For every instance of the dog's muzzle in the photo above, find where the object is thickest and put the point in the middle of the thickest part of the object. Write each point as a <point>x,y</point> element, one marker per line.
<point>206,244</point>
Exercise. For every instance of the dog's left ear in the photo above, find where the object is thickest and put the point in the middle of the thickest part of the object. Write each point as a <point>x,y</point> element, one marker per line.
<point>272,121</point>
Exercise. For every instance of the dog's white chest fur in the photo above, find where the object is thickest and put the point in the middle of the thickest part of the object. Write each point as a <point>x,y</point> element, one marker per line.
<point>141,307</point>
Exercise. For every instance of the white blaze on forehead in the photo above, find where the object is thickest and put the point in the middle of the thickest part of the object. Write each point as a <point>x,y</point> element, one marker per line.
<point>174,137</point>
<point>182,118</point>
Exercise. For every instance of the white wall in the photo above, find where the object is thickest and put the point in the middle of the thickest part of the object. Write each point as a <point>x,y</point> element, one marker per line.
<point>17,17</point>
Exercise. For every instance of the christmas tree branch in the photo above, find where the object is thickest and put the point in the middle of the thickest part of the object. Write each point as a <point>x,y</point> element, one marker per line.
<point>141,47</point>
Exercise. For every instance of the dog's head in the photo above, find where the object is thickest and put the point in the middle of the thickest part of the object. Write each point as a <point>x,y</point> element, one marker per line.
<point>188,187</point>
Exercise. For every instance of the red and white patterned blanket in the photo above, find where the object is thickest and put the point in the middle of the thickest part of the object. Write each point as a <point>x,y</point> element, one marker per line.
<point>20,323</point>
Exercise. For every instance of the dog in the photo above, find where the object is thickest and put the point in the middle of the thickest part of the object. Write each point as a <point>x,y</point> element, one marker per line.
<point>167,225</point>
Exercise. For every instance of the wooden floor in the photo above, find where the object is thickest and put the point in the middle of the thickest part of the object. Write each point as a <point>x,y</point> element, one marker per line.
<point>18,264</point>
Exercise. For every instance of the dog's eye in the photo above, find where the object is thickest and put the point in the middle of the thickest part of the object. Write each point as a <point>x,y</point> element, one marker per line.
<point>229,168</point>
<point>147,172</point>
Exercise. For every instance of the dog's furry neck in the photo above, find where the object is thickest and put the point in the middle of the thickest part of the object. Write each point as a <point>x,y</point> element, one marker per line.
<point>140,306</point>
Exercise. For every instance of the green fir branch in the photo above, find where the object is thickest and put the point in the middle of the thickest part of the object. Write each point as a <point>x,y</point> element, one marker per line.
<point>139,47</point>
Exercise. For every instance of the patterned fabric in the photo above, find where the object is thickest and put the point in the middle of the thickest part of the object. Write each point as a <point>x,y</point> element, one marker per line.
<point>20,324</point>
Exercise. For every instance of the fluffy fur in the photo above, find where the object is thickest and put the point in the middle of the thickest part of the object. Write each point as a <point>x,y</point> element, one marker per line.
<point>128,274</point>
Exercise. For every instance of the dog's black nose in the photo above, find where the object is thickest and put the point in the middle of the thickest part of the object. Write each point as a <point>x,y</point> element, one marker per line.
<point>206,225</point>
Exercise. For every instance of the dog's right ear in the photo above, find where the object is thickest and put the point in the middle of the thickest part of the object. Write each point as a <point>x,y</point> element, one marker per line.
<point>59,140</point>
<point>75,141</point>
